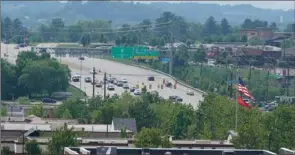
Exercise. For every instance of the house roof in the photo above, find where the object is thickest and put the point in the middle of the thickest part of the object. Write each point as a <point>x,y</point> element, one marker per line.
<point>129,123</point>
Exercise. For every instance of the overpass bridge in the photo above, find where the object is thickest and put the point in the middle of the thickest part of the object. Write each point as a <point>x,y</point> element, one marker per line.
<point>74,51</point>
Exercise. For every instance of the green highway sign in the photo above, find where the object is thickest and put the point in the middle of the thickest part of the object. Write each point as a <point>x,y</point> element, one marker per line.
<point>140,52</point>
<point>122,52</point>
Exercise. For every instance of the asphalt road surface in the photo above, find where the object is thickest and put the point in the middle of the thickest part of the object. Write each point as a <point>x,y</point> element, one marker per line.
<point>134,75</point>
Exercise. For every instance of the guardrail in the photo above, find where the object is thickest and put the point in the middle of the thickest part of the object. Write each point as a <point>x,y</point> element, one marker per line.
<point>180,82</point>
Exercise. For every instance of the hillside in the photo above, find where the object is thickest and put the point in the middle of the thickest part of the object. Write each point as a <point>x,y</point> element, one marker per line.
<point>32,13</point>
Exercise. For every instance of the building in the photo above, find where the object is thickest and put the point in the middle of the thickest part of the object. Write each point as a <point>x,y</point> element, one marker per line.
<point>16,131</point>
<point>159,151</point>
<point>261,32</point>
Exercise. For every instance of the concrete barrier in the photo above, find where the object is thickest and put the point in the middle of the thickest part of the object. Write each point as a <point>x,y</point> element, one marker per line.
<point>180,82</point>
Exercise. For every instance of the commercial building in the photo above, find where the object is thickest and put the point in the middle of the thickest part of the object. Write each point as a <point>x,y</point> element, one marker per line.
<point>261,32</point>
<point>159,151</point>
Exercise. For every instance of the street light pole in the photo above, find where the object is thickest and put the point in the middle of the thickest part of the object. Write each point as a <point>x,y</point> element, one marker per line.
<point>81,77</point>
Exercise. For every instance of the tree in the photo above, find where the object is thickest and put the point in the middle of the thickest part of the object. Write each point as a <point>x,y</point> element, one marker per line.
<point>85,40</point>
<point>4,112</point>
<point>62,137</point>
<point>33,148</point>
<point>148,138</point>
<point>123,133</point>
<point>244,39</point>
<point>225,27</point>
<point>252,133</point>
<point>37,110</point>
<point>273,25</point>
<point>144,116</point>
<point>255,41</point>
<point>67,114</point>
<point>74,33</point>
<point>23,100</point>
<point>6,151</point>
<point>210,27</point>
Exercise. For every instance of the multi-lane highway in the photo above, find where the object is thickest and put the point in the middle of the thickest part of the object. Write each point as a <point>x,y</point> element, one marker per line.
<point>134,75</point>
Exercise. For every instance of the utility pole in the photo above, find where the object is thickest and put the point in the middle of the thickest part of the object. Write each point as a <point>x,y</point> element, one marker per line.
<point>93,82</point>
<point>288,79</point>
<point>104,85</point>
<point>250,74</point>
<point>171,59</point>
<point>231,84</point>
<point>81,77</point>
<point>267,85</point>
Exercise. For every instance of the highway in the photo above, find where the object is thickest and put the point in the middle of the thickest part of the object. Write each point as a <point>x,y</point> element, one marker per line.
<point>134,75</point>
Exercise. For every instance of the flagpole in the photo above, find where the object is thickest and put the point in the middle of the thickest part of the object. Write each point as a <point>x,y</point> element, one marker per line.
<point>236,119</point>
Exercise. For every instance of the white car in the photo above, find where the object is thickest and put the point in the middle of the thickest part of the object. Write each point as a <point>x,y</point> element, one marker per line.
<point>190,92</point>
<point>77,75</point>
<point>137,92</point>
<point>124,80</point>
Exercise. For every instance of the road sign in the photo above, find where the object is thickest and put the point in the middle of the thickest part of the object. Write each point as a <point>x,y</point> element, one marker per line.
<point>134,53</point>
<point>165,60</point>
<point>122,52</point>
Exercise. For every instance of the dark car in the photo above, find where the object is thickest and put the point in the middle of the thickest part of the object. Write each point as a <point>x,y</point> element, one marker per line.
<point>168,84</point>
<point>132,89</point>
<point>111,87</point>
<point>98,84</point>
<point>81,58</point>
<point>88,80</point>
<point>178,99</point>
<point>120,84</point>
<point>172,97</point>
<point>75,79</point>
<point>22,45</point>
<point>151,78</point>
<point>48,100</point>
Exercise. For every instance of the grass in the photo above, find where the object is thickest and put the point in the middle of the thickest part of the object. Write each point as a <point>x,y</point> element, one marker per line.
<point>76,93</point>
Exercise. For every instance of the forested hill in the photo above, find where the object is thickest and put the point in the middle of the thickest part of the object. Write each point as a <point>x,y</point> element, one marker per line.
<point>35,12</point>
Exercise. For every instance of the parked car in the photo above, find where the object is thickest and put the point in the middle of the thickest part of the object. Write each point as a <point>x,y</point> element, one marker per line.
<point>48,100</point>
<point>137,92</point>
<point>151,78</point>
<point>81,58</point>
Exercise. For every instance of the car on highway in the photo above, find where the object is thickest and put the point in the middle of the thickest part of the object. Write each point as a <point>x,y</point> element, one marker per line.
<point>132,89</point>
<point>98,84</point>
<point>75,79</point>
<point>137,92</point>
<point>88,80</point>
<point>178,99</point>
<point>151,78</point>
<point>190,92</point>
<point>173,97</point>
<point>126,86</point>
<point>111,87</point>
<point>111,79</point>
<point>168,84</point>
<point>81,58</point>
<point>124,80</point>
<point>120,83</point>
<point>115,82</point>
<point>48,100</point>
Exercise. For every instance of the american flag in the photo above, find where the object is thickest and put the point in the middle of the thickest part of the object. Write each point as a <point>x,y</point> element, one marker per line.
<point>243,89</point>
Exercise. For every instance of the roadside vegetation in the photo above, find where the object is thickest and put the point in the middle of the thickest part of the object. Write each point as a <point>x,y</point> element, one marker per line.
<point>158,118</point>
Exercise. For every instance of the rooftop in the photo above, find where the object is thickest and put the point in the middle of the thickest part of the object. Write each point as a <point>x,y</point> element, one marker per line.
<point>53,126</point>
